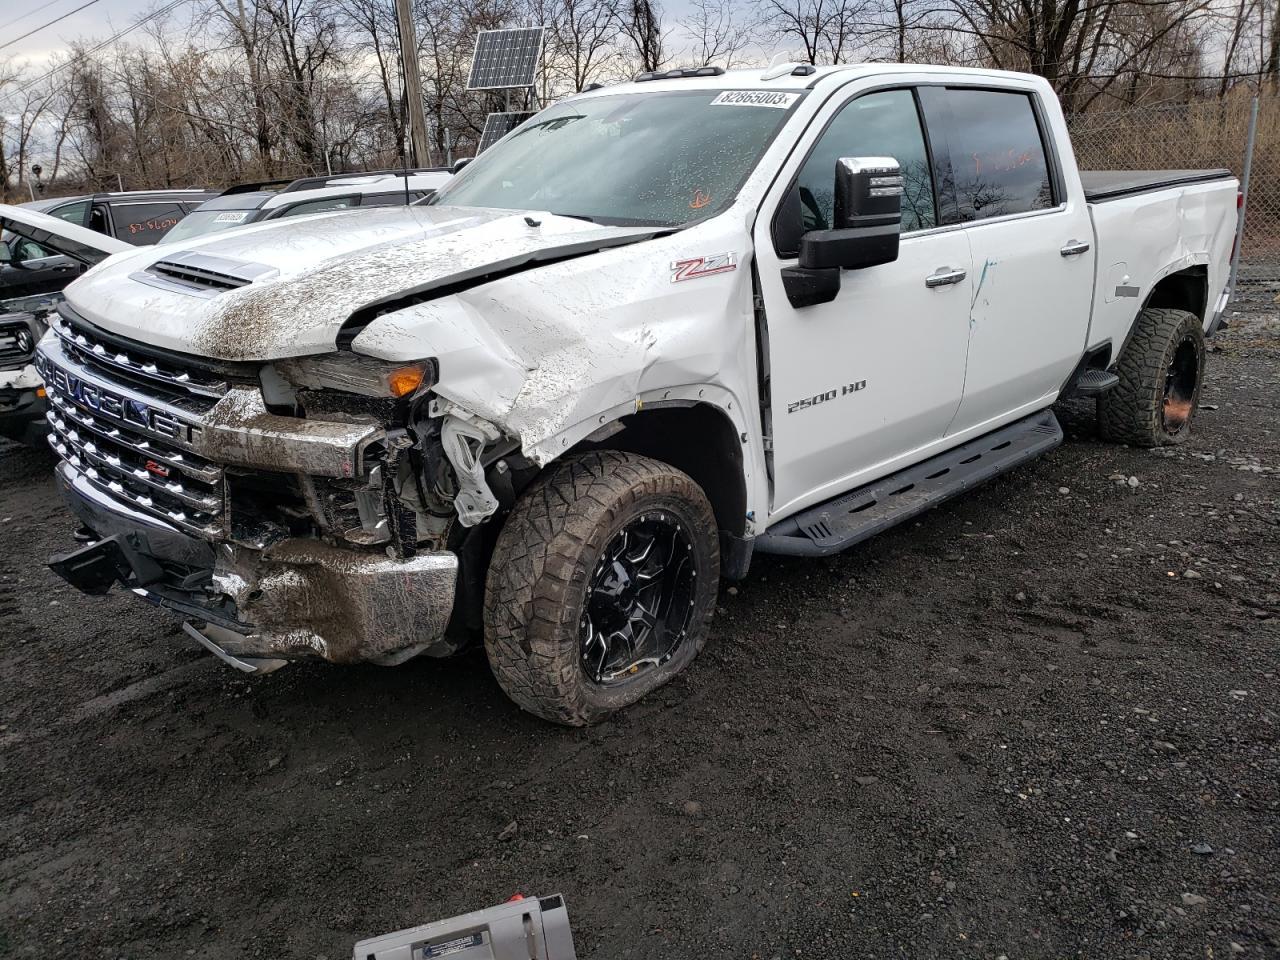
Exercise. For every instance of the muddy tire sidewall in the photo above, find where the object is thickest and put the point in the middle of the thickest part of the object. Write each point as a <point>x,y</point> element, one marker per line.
<point>1133,411</point>
<point>540,575</point>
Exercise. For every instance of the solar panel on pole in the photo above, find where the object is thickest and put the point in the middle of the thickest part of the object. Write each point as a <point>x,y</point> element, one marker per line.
<point>506,58</point>
<point>498,125</point>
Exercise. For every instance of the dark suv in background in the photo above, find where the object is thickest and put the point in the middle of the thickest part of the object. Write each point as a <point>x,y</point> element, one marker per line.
<point>139,217</point>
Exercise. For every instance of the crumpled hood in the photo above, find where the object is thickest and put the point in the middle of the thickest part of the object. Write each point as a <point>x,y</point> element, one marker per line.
<point>310,274</point>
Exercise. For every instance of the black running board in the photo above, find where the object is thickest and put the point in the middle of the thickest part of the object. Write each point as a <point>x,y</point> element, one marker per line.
<point>862,513</point>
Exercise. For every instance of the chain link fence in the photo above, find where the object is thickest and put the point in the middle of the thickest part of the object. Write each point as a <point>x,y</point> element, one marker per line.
<point>1206,133</point>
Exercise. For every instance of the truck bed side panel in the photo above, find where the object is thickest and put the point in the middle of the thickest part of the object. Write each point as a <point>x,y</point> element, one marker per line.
<point>1144,237</point>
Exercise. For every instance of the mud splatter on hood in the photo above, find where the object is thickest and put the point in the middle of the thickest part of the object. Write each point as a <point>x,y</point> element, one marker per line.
<point>320,270</point>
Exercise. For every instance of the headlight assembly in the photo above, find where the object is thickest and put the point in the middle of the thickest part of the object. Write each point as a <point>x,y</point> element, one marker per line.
<point>351,373</point>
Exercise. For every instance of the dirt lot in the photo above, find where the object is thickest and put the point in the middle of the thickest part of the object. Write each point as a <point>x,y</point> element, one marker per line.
<point>1041,723</point>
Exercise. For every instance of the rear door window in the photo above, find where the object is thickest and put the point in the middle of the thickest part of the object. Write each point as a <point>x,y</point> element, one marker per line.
<point>72,212</point>
<point>998,157</point>
<point>145,223</point>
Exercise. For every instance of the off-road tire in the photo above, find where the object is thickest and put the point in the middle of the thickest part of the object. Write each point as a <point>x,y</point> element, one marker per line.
<point>540,573</point>
<point>1132,412</point>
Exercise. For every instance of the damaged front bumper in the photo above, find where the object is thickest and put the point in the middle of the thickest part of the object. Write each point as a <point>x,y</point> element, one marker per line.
<point>293,599</point>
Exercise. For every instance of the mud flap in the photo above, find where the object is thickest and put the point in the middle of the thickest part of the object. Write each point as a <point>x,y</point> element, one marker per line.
<point>96,568</point>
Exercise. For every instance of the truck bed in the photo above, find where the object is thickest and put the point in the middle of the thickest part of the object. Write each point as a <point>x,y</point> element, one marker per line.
<point>1103,185</point>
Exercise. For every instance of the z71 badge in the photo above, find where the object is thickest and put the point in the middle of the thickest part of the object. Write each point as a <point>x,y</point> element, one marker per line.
<point>696,267</point>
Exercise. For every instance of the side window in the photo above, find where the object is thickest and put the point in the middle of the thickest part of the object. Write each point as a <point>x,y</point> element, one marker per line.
<point>997,154</point>
<point>318,206</point>
<point>145,223</point>
<point>876,125</point>
<point>72,212</point>
<point>395,199</point>
<point>25,251</point>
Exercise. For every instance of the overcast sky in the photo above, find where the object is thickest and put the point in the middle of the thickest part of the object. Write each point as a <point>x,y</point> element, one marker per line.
<point>99,21</point>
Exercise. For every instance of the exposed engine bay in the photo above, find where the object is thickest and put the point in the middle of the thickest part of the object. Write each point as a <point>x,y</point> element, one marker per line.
<point>310,507</point>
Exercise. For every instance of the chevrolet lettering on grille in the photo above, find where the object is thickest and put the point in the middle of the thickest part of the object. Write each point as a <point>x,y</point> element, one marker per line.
<point>128,409</point>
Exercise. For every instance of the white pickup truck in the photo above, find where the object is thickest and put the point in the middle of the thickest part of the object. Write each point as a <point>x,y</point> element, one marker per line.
<point>658,327</point>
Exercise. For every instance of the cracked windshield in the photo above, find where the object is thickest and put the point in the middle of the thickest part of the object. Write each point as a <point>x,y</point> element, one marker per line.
<point>658,159</point>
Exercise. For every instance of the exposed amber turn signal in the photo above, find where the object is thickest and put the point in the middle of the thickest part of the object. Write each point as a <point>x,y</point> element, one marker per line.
<point>404,380</point>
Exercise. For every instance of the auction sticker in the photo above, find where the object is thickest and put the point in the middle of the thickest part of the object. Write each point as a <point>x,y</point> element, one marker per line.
<point>430,951</point>
<point>231,216</point>
<point>755,98</point>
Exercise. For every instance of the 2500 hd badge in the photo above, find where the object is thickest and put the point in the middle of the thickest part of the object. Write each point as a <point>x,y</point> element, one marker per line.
<point>813,401</point>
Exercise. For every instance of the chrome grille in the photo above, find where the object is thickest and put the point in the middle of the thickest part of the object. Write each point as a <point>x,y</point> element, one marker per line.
<point>16,343</point>
<point>93,350</point>
<point>132,440</point>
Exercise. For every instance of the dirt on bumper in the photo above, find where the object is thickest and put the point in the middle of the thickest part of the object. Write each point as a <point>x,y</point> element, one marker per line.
<point>295,599</point>
<point>307,599</point>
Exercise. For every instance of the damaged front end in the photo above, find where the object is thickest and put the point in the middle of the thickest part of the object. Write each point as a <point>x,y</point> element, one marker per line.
<point>312,507</point>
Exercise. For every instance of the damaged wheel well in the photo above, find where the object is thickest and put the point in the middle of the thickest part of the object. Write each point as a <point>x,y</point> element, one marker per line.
<point>698,439</point>
<point>1185,290</point>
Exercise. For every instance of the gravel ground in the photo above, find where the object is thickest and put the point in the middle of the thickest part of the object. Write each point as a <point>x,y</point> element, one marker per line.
<point>1040,723</point>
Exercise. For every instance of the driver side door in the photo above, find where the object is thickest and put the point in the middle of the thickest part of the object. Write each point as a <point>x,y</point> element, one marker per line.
<point>33,270</point>
<point>861,385</point>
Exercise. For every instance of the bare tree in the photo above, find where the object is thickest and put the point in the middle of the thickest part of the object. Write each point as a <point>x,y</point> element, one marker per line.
<point>828,31</point>
<point>374,23</point>
<point>641,23</point>
<point>717,31</point>
<point>580,46</point>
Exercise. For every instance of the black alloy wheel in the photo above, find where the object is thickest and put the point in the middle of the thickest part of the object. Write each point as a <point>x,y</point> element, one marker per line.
<point>1180,382</point>
<point>640,600</point>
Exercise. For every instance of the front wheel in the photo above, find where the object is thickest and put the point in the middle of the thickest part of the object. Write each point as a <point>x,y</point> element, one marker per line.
<point>1160,370</point>
<point>601,586</point>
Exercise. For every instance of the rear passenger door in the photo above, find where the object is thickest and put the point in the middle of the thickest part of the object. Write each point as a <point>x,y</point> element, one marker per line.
<point>1031,245</point>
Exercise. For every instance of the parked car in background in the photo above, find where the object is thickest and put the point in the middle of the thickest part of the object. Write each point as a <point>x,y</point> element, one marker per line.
<point>249,203</point>
<point>39,255</point>
<point>139,217</point>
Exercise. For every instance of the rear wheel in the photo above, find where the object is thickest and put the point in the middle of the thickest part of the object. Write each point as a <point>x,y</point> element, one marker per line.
<point>1160,371</point>
<point>601,586</point>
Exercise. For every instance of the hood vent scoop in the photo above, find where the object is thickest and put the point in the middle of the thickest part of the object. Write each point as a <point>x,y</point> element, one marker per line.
<point>203,274</point>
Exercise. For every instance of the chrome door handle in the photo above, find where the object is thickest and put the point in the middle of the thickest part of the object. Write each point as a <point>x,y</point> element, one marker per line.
<point>944,276</point>
<point>1074,248</point>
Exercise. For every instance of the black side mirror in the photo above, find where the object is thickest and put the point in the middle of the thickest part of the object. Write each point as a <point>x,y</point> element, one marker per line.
<point>460,163</point>
<point>867,225</point>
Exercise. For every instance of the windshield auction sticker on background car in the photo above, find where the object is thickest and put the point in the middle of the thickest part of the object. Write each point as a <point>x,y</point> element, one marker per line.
<point>231,216</point>
<point>755,98</point>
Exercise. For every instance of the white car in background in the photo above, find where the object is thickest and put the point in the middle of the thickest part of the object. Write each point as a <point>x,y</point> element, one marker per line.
<point>248,203</point>
<point>39,255</point>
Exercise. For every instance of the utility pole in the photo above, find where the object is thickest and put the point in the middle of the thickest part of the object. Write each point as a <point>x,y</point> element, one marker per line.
<point>419,145</point>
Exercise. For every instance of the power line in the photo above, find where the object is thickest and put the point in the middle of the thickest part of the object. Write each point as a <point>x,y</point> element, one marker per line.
<point>30,13</point>
<point>45,26</point>
<point>92,50</point>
